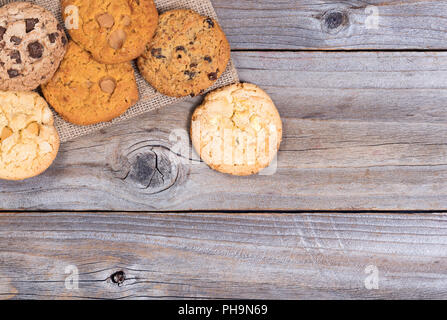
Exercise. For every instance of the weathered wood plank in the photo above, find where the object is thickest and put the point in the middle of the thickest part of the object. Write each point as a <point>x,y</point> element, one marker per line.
<point>322,24</point>
<point>364,131</point>
<point>290,256</point>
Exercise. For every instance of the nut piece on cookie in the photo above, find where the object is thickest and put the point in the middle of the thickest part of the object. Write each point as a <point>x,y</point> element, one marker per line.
<point>6,133</point>
<point>84,91</point>
<point>28,140</point>
<point>113,31</point>
<point>117,39</point>
<point>32,45</point>
<point>237,130</point>
<point>105,20</point>
<point>107,84</point>
<point>179,63</point>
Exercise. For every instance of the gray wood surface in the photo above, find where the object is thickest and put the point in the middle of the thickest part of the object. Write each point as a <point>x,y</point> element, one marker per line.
<point>323,24</point>
<point>288,256</point>
<point>361,131</point>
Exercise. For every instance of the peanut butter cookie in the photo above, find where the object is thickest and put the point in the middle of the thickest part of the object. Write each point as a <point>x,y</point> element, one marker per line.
<point>32,45</point>
<point>237,130</point>
<point>188,53</point>
<point>113,31</point>
<point>28,140</point>
<point>84,91</point>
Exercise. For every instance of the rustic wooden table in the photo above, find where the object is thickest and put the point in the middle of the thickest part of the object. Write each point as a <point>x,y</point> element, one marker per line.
<point>356,208</point>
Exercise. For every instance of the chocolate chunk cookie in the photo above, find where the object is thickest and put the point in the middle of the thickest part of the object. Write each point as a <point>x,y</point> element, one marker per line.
<point>113,31</point>
<point>84,91</point>
<point>188,53</point>
<point>32,45</point>
<point>28,140</point>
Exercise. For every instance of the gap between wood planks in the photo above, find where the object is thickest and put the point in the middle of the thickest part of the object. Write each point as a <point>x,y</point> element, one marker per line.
<point>262,212</point>
<point>339,50</point>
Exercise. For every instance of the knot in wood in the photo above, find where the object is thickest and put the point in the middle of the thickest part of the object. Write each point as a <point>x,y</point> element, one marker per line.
<point>334,21</point>
<point>149,167</point>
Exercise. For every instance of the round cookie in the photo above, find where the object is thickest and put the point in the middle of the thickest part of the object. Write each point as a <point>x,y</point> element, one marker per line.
<point>32,45</point>
<point>28,140</point>
<point>84,91</point>
<point>237,129</point>
<point>188,53</point>
<point>113,31</point>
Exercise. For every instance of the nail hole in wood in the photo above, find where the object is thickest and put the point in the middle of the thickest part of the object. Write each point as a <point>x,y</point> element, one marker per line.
<point>118,277</point>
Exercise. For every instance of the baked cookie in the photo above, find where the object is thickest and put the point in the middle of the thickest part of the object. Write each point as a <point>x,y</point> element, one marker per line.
<point>188,53</point>
<point>84,91</point>
<point>28,140</point>
<point>32,45</point>
<point>113,31</point>
<point>237,130</point>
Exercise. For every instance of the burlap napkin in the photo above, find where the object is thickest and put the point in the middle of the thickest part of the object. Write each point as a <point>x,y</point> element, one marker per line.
<point>149,98</point>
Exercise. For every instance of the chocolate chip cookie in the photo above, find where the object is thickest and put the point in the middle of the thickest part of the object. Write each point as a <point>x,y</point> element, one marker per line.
<point>188,53</point>
<point>32,45</point>
<point>113,31</point>
<point>237,129</point>
<point>84,91</point>
<point>28,140</point>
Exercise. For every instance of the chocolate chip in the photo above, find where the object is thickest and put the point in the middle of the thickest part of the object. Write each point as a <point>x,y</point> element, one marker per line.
<point>2,32</point>
<point>180,48</point>
<point>59,27</point>
<point>193,65</point>
<point>190,74</point>
<point>208,58</point>
<point>13,73</point>
<point>156,52</point>
<point>64,40</point>
<point>210,23</point>
<point>16,40</point>
<point>179,56</point>
<point>15,55</point>
<point>212,76</point>
<point>30,24</point>
<point>35,50</point>
<point>53,36</point>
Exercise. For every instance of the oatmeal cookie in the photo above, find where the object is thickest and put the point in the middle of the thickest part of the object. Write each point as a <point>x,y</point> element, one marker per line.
<point>84,91</point>
<point>113,31</point>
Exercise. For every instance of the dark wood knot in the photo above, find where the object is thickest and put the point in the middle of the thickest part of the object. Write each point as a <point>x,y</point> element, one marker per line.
<point>118,277</point>
<point>334,21</point>
<point>150,167</point>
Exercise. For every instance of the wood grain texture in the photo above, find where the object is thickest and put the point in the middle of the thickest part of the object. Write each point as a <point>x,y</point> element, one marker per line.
<point>322,24</point>
<point>364,131</point>
<point>289,256</point>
